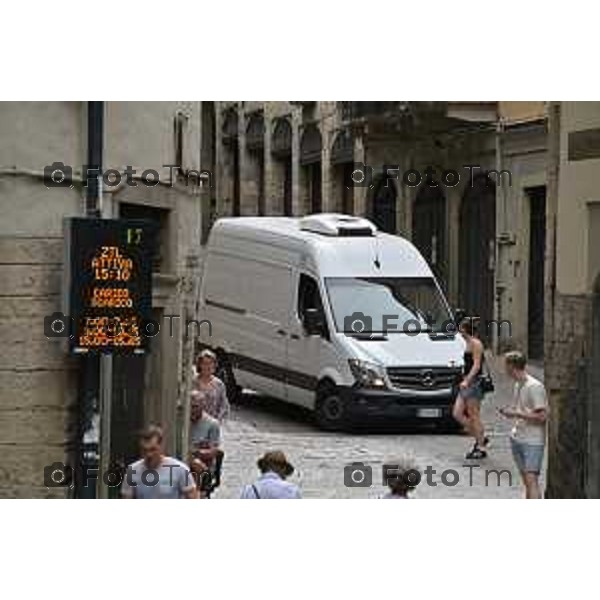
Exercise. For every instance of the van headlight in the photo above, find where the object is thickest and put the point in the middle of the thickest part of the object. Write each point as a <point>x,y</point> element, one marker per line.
<point>367,374</point>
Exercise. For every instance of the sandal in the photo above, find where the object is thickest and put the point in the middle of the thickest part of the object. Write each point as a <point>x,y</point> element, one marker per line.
<point>476,453</point>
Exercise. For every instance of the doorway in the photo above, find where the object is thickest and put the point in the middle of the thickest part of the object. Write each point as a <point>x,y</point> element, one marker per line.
<point>383,205</point>
<point>537,250</point>
<point>311,171</point>
<point>429,229</point>
<point>477,252</point>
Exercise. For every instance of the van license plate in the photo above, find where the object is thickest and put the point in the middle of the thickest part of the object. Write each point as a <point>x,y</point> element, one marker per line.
<point>429,413</point>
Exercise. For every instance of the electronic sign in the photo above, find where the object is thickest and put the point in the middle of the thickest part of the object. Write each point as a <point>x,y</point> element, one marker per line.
<point>108,284</point>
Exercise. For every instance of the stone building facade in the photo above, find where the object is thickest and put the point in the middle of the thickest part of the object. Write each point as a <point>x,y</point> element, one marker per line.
<point>45,395</point>
<point>573,300</point>
<point>485,241</point>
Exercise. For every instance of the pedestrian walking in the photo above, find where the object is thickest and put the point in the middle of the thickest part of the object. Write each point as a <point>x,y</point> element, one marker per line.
<point>208,389</point>
<point>529,413</point>
<point>402,476</point>
<point>206,456</point>
<point>155,475</point>
<point>272,484</point>
<point>467,407</point>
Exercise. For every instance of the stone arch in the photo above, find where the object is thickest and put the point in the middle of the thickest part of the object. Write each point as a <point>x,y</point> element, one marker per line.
<point>311,169</point>
<point>342,149</point>
<point>310,145</point>
<point>281,139</point>
<point>281,150</point>
<point>229,128</point>
<point>255,132</point>
<point>342,165</point>
<point>231,159</point>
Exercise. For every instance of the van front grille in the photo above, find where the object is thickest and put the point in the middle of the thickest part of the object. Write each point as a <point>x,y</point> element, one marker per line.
<point>423,378</point>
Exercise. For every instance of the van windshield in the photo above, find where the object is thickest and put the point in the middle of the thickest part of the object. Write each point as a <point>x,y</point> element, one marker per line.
<point>363,305</point>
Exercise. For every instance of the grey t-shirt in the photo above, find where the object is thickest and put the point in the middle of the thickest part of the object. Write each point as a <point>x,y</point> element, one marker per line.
<point>169,481</point>
<point>205,430</point>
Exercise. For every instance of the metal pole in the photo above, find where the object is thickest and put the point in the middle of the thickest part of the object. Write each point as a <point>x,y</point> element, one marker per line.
<point>106,373</point>
<point>106,387</point>
<point>495,247</point>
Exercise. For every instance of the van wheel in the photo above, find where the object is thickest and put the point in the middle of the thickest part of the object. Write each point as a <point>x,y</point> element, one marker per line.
<point>330,410</point>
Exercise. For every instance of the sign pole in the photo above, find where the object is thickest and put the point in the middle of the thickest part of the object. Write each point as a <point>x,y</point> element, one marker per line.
<point>106,379</point>
<point>106,388</point>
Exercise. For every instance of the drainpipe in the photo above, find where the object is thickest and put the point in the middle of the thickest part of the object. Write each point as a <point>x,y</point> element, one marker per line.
<point>95,127</point>
<point>554,473</point>
<point>496,246</point>
<point>95,207</point>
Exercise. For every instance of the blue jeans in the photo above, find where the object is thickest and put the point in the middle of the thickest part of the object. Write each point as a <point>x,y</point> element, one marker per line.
<point>528,457</point>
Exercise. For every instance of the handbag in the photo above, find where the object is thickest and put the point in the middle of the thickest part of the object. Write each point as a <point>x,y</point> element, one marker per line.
<point>486,382</point>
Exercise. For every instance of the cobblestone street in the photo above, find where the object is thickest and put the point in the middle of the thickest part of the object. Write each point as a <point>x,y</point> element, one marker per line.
<point>258,425</point>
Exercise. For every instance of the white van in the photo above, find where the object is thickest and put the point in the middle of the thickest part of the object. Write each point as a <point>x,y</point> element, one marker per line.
<point>328,313</point>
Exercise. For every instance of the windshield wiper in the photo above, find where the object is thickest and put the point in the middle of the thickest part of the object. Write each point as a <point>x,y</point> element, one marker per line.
<point>369,337</point>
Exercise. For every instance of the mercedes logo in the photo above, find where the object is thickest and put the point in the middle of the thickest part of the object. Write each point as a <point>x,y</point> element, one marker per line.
<point>427,378</point>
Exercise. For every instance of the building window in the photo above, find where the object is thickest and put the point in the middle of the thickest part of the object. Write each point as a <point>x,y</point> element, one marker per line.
<point>179,128</point>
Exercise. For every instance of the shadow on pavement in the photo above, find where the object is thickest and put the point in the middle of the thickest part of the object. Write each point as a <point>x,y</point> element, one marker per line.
<point>292,415</point>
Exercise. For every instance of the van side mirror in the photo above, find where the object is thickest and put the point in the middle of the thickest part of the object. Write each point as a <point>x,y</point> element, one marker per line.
<point>460,315</point>
<point>313,321</point>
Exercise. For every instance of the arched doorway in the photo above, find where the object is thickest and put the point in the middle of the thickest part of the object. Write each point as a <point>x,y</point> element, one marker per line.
<point>477,251</point>
<point>342,165</point>
<point>383,205</point>
<point>232,157</point>
<point>281,149</point>
<point>429,229</point>
<point>255,146</point>
<point>310,162</point>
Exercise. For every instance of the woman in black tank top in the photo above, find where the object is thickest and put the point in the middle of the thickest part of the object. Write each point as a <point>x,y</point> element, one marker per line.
<point>468,357</point>
<point>468,402</point>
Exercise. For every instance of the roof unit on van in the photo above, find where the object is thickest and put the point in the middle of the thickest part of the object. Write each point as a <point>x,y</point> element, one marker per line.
<point>338,225</point>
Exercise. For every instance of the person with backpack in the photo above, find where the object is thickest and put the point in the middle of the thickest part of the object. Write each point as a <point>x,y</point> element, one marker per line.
<point>272,485</point>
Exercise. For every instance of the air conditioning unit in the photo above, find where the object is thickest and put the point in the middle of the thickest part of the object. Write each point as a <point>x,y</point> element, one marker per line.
<point>338,225</point>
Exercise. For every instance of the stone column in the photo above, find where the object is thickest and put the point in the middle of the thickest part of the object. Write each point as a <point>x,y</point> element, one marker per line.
<point>223,177</point>
<point>296,120</point>
<point>406,194</point>
<point>273,201</point>
<point>453,198</point>
<point>248,195</point>
<point>360,193</point>
<point>327,196</point>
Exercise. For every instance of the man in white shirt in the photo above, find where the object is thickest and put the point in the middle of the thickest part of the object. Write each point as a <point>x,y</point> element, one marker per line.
<point>529,414</point>
<point>271,485</point>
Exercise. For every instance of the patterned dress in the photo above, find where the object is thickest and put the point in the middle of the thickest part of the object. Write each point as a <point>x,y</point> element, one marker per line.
<point>212,396</point>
